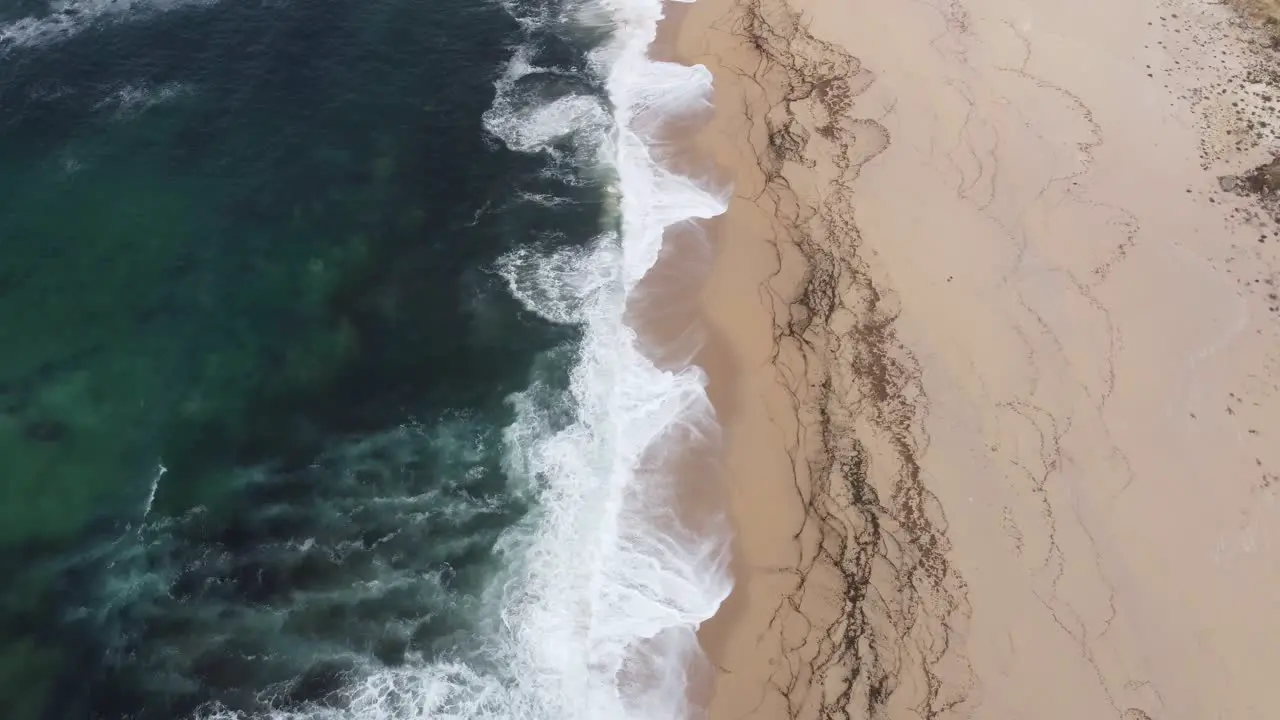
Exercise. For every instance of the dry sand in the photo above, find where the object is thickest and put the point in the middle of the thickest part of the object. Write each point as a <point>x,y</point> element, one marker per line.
<point>996,346</point>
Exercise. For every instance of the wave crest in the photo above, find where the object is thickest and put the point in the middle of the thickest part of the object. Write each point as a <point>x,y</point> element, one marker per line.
<point>603,609</point>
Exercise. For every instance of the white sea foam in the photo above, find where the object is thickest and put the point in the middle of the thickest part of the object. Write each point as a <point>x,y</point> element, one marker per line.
<point>543,199</point>
<point>67,18</point>
<point>610,589</point>
<point>127,100</point>
<point>568,129</point>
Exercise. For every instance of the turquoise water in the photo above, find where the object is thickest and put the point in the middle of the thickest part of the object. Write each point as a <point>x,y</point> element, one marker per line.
<point>252,352</point>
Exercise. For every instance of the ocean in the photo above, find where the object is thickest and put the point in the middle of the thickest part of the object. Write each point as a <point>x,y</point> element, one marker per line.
<point>317,398</point>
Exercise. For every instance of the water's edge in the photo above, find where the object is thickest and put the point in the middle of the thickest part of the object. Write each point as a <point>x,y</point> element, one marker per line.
<point>609,571</point>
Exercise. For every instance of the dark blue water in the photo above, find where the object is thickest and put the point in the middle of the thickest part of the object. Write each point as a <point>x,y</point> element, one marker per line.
<point>254,361</point>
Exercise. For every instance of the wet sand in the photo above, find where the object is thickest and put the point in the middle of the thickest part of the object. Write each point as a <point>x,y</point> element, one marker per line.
<point>995,343</point>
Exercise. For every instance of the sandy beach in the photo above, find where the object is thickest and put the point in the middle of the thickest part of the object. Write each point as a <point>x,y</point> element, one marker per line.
<point>994,337</point>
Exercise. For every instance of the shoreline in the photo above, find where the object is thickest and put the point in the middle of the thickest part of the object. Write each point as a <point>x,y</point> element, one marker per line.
<point>990,275</point>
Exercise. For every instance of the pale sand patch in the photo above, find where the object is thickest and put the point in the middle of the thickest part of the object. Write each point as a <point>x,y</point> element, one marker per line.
<point>1004,421</point>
